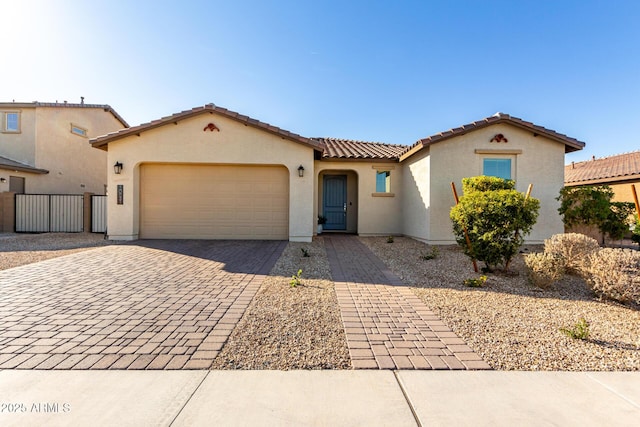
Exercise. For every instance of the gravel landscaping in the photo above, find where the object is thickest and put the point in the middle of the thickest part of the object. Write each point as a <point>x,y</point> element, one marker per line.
<point>511,324</point>
<point>19,249</point>
<point>291,327</point>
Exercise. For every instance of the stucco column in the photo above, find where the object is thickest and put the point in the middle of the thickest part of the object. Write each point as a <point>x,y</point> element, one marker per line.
<point>301,219</point>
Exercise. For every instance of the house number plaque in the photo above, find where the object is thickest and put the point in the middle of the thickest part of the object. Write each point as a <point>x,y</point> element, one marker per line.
<point>120,194</point>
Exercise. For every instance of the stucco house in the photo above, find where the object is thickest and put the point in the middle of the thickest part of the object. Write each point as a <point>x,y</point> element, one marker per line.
<point>44,147</point>
<point>212,173</point>
<point>618,172</point>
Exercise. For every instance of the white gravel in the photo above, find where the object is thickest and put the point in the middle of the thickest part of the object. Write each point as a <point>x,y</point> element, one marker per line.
<point>511,324</point>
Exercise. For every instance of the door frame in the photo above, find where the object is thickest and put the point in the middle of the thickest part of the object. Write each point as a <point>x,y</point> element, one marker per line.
<point>343,178</point>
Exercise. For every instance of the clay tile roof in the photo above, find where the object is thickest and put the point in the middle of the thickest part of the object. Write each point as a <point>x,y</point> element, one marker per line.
<point>620,167</point>
<point>103,141</point>
<point>347,149</point>
<point>571,144</point>
<point>9,164</point>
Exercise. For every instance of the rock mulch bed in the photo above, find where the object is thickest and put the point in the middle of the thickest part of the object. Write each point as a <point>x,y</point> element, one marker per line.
<point>20,249</point>
<point>511,324</point>
<point>291,327</point>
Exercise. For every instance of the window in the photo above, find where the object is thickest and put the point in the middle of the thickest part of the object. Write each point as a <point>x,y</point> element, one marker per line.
<point>383,182</point>
<point>497,167</point>
<point>11,122</point>
<point>78,130</point>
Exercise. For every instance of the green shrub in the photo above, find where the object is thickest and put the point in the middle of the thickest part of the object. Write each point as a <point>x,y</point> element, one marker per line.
<point>573,249</point>
<point>432,254</point>
<point>543,269</point>
<point>296,279</point>
<point>486,183</point>
<point>635,236</point>
<point>615,274</point>
<point>496,220</point>
<point>389,239</point>
<point>475,283</point>
<point>592,205</point>
<point>579,331</point>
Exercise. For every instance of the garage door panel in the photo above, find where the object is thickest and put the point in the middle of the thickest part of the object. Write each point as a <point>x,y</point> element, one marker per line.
<point>214,202</point>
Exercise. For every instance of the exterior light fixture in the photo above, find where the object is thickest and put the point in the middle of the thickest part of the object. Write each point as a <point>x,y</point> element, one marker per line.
<point>117,168</point>
<point>301,171</point>
<point>3,180</point>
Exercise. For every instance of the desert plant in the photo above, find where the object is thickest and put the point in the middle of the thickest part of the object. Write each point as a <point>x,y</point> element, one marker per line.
<point>543,269</point>
<point>615,274</point>
<point>579,331</point>
<point>305,252</point>
<point>573,249</point>
<point>496,220</point>
<point>592,205</point>
<point>475,282</point>
<point>619,220</point>
<point>433,253</point>
<point>296,279</point>
<point>635,236</point>
<point>390,239</point>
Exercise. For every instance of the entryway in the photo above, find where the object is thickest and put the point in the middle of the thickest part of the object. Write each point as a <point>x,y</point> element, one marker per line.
<point>338,200</point>
<point>334,203</point>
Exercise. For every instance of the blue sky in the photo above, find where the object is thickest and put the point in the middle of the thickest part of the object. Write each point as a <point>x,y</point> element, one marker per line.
<point>370,70</point>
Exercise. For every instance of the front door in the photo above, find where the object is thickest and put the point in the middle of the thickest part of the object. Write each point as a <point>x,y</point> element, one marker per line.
<point>334,206</point>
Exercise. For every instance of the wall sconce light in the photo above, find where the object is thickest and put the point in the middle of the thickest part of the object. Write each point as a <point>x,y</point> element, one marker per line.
<point>3,180</point>
<point>117,168</point>
<point>301,171</point>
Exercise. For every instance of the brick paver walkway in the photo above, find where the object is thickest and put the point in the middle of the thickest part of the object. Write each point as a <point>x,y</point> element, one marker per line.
<point>149,305</point>
<point>386,324</point>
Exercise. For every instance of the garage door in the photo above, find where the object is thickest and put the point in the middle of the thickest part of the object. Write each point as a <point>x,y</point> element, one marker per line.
<point>214,202</point>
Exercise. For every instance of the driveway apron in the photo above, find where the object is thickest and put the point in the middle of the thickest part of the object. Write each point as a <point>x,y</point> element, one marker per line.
<point>386,324</point>
<point>165,304</point>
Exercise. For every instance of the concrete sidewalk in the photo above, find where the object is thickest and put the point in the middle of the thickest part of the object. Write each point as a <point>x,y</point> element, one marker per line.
<point>319,398</point>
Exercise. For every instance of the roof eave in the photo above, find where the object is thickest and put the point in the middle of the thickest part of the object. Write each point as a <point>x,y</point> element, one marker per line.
<point>103,141</point>
<point>613,179</point>
<point>570,144</point>
<point>24,169</point>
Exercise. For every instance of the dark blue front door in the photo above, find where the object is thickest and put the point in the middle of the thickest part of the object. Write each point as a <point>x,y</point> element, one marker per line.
<point>334,205</point>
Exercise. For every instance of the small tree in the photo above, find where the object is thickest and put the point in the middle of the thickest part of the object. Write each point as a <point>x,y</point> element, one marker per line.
<point>496,217</point>
<point>592,205</point>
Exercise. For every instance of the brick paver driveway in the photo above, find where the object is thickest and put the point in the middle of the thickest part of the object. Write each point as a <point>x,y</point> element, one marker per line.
<point>387,326</point>
<point>148,305</point>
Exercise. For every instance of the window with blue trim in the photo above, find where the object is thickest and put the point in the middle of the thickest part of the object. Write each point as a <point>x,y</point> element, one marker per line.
<point>497,167</point>
<point>383,184</point>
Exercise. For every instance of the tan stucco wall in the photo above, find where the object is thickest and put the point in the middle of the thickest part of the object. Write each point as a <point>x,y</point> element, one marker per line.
<point>46,142</point>
<point>417,195</point>
<point>186,142</point>
<point>20,146</point>
<point>541,163</point>
<point>375,215</point>
<point>623,193</point>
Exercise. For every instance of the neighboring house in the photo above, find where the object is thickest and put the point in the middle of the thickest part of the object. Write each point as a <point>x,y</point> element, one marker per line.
<point>211,173</point>
<point>44,147</point>
<point>618,172</point>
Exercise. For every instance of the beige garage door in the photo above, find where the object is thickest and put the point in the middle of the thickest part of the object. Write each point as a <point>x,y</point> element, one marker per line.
<point>214,202</point>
